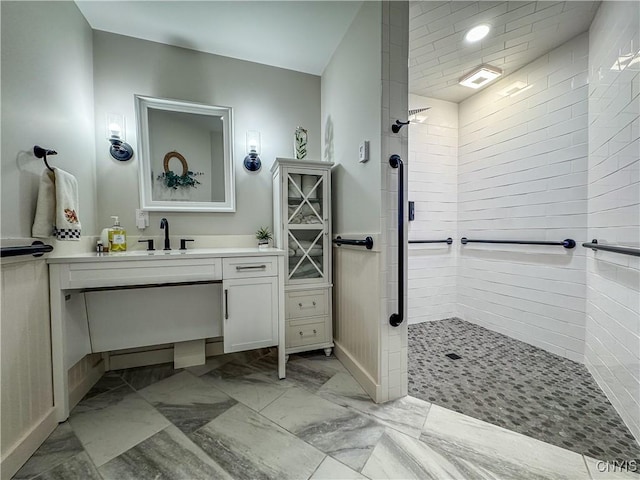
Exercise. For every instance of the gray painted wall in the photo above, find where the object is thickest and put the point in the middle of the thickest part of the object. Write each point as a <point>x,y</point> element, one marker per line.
<point>351,113</point>
<point>271,100</point>
<point>47,99</point>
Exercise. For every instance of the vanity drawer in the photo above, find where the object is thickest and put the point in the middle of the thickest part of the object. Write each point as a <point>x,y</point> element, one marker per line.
<point>137,272</point>
<point>307,303</point>
<point>249,267</point>
<point>306,333</point>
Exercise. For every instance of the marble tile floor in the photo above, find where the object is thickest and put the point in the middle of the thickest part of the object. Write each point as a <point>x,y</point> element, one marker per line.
<point>233,419</point>
<point>517,386</point>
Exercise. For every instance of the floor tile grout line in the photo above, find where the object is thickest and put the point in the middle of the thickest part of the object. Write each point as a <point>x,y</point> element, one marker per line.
<point>318,466</point>
<point>586,465</point>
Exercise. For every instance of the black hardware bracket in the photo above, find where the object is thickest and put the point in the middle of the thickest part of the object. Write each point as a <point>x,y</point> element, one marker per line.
<point>395,128</point>
<point>42,153</point>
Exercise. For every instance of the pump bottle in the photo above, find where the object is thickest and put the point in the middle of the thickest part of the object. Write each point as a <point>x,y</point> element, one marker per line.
<point>117,236</point>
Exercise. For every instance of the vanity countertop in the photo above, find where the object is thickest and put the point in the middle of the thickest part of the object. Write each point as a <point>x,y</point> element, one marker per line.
<point>167,255</point>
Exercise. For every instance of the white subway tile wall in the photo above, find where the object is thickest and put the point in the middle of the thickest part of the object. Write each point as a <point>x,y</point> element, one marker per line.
<point>395,48</point>
<point>433,186</point>
<point>522,175</point>
<point>612,351</point>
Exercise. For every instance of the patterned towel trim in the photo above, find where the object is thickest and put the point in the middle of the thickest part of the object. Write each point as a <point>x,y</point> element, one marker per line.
<point>67,233</point>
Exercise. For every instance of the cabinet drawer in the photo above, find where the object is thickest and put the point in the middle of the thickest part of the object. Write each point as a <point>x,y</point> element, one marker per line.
<point>249,267</point>
<point>306,333</point>
<point>307,303</point>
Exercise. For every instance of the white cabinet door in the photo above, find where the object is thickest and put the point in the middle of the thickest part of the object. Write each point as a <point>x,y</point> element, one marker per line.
<point>250,313</point>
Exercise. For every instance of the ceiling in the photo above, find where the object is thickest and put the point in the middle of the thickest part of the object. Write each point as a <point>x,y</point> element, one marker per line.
<point>302,35</point>
<point>520,33</point>
<point>297,35</point>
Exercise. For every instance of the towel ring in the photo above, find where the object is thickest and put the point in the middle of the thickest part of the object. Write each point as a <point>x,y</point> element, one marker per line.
<point>174,154</point>
<point>42,153</point>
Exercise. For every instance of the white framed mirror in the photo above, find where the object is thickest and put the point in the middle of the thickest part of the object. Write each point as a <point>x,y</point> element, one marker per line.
<point>185,155</point>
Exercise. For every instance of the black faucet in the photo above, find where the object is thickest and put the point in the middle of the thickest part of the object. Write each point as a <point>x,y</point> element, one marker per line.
<point>165,225</point>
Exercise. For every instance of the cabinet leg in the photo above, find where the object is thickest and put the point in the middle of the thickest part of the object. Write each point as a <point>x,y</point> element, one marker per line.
<point>327,351</point>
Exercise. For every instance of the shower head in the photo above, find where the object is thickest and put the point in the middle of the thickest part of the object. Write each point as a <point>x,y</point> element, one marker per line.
<point>413,113</point>
<point>395,128</point>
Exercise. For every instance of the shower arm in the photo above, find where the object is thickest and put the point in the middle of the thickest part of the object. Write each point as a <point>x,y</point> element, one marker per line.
<point>395,128</point>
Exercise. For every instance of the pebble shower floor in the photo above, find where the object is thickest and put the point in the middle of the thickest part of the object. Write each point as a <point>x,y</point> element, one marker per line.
<point>517,386</point>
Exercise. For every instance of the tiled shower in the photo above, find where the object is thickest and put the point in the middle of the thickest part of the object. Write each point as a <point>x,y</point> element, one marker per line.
<point>559,160</point>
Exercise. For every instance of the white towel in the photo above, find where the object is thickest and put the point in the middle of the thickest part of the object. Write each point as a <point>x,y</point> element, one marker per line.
<point>43,223</point>
<point>57,206</point>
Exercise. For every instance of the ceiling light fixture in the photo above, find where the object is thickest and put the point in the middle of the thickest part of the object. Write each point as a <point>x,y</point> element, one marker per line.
<point>477,33</point>
<point>480,76</point>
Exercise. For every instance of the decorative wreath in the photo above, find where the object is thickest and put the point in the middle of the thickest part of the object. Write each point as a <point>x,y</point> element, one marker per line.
<point>171,180</point>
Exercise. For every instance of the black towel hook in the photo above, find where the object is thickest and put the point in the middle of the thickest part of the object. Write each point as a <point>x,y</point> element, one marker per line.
<point>42,153</point>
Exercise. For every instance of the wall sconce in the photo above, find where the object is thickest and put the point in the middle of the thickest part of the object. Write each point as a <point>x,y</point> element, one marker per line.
<point>119,150</point>
<point>252,160</point>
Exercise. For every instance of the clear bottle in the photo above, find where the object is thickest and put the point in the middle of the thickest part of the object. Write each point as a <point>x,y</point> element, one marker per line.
<point>117,237</point>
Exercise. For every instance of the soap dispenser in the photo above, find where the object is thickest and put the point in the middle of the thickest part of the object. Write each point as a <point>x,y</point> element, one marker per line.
<point>117,236</point>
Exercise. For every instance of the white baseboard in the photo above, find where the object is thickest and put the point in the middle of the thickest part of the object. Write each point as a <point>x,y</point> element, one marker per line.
<point>365,380</point>
<point>20,452</point>
<point>83,387</point>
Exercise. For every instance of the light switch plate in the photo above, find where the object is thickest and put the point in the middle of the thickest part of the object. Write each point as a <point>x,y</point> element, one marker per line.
<point>363,151</point>
<point>142,219</point>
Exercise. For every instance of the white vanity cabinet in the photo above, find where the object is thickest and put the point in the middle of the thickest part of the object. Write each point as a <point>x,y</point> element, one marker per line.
<point>302,224</point>
<point>138,299</point>
<point>250,303</point>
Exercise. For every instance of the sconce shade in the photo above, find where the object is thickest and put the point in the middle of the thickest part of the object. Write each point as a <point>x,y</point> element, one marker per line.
<point>119,150</point>
<point>252,161</point>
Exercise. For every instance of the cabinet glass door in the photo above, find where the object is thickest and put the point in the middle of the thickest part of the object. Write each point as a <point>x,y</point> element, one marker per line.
<point>306,226</point>
<point>305,203</point>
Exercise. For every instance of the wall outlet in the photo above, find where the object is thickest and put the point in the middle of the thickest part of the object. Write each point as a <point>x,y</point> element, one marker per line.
<point>363,151</point>
<point>142,219</point>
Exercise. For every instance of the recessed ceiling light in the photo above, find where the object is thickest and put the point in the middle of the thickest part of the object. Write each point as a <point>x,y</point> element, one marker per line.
<point>477,33</point>
<point>480,76</point>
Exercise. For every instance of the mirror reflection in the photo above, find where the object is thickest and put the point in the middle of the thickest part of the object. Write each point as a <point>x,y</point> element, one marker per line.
<point>185,156</point>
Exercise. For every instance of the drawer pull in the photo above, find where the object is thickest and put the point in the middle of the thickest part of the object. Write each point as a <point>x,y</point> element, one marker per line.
<point>314,332</point>
<point>300,305</point>
<point>251,267</point>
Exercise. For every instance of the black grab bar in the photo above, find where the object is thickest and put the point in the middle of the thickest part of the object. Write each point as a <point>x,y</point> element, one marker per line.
<point>594,245</point>
<point>367,242</point>
<point>448,241</point>
<point>568,243</point>
<point>37,249</point>
<point>396,318</point>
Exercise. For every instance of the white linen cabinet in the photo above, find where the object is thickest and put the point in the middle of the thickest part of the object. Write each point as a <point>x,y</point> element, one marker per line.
<point>302,227</point>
